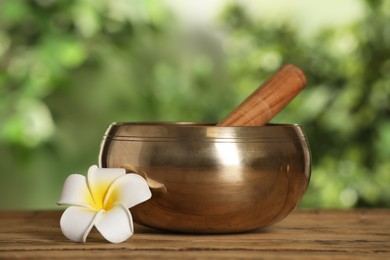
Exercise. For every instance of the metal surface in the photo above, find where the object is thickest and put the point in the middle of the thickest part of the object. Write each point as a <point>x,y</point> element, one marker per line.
<point>208,179</point>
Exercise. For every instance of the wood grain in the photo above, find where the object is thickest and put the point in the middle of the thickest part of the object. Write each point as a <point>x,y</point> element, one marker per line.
<point>305,234</point>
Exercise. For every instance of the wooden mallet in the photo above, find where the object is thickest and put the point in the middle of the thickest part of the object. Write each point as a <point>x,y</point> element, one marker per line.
<point>267,100</point>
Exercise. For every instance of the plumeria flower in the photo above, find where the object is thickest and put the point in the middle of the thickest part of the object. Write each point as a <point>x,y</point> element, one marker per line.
<point>102,199</point>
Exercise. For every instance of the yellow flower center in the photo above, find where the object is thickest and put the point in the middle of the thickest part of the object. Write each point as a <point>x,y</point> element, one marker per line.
<point>100,198</point>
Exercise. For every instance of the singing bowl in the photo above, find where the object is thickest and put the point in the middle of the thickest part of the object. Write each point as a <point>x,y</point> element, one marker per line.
<point>209,179</point>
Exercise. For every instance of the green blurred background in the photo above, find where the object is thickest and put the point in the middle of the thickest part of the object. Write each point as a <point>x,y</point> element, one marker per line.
<point>70,68</point>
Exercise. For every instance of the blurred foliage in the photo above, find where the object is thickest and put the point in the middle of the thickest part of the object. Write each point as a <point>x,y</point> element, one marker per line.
<point>344,110</point>
<point>69,68</point>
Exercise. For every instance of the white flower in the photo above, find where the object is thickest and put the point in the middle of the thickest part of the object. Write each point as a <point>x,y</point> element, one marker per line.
<point>101,199</point>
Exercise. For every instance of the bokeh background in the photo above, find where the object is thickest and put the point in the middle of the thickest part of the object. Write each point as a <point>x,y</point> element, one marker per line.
<point>70,68</point>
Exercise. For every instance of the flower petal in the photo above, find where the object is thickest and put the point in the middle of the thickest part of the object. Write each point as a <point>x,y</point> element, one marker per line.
<point>130,190</point>
<point>99,179</point>
<point>77,222</point>
<point>75,192</point>
<point>116,224</point>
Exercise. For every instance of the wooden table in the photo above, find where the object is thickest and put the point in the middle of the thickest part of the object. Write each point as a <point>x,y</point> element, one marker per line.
<point>310,234</point>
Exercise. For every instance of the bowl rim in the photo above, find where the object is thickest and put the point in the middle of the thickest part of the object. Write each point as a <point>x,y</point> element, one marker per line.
<point>195,131</point>
<point>197,124</point>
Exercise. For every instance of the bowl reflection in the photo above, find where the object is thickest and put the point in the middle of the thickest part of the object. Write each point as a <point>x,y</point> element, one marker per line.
<point>208,179</point>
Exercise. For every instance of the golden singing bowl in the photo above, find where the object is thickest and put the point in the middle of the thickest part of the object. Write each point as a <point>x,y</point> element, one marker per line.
<point>209,179</point>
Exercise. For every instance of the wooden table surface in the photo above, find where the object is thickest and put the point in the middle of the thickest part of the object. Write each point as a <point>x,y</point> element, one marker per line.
<point>310,234</point>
